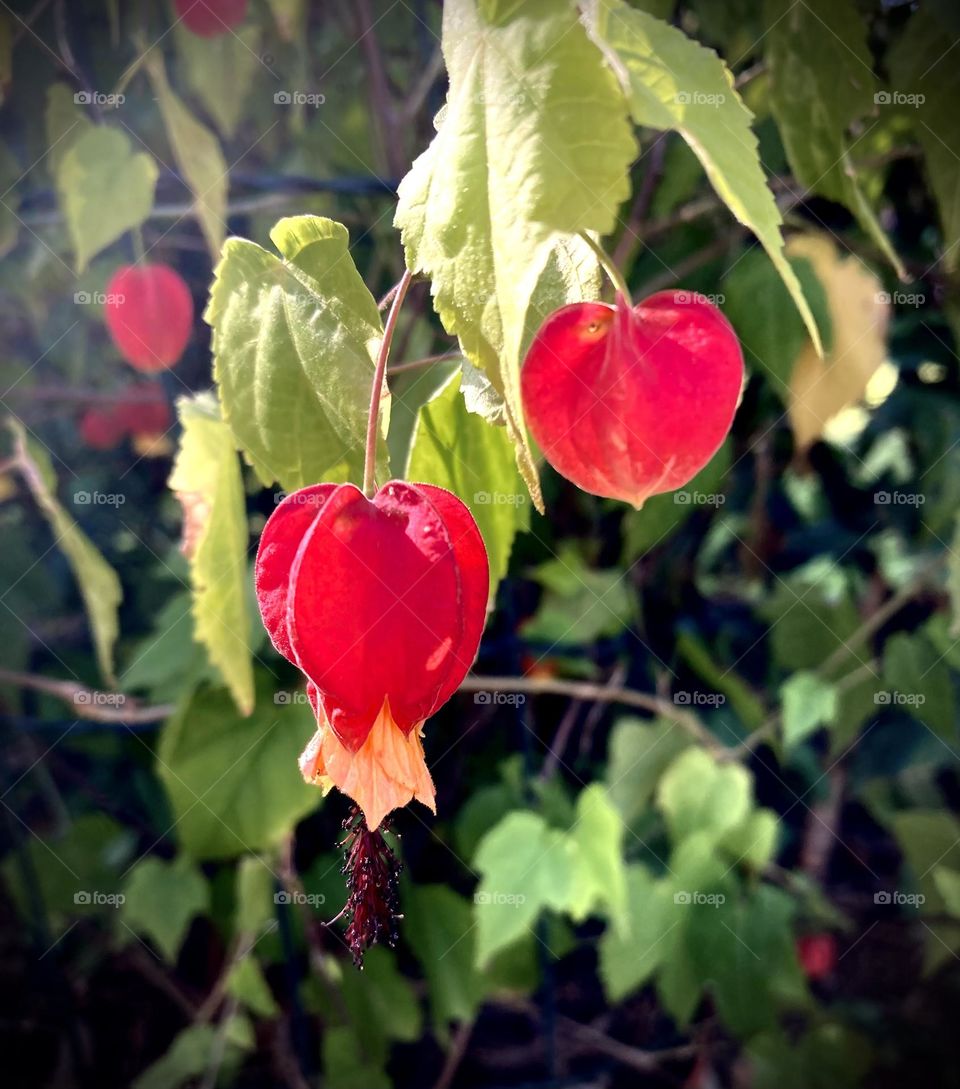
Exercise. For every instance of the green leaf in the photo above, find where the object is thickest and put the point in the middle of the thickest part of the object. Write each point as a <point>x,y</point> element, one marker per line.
<point>295,339</point>
<point>99,586</point>
<point>197,154</point>
<point>673,82</point>
<point>753,842</point>
<point>247,985</point>
<point>347,1066</point>
<point>948,885</point>
<point>220,70</point>
<point>629,958</point>
<point>640,752</point>
<point>161,899</point>
<point>809,702</point>
<point>532,146</point>
<point>697,794</point>
<point>191,1052</point>
<point>104,188</point>
<point>747,705</point>
<point>382,1004</point>
<point>206,479</point>
<point>928,83</point>
<point>580,603</point>
<point>440,928</point>
<point>768,326</point>
<point>65,123</point>
<point>233,783</point>
<point>458,450</point>
<point>827,1056</point>
<point>255,907</point>
<point>821,83</point>
<point>919,681</point>
<point>597,835</point>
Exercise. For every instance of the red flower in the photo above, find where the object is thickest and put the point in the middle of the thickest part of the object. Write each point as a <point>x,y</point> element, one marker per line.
<point>381,602</point>
<point>817,954</point>
<point>149,314</point>
<point>209,18</point>
<point>628,403</point>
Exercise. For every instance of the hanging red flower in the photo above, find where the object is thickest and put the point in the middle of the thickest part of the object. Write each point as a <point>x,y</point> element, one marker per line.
<point>629,401</point>
<point>381,603</point>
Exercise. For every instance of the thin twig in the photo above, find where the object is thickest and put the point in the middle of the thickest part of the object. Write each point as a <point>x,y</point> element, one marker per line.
<point>588,690</point>
<point>90,703</point>
<point>416,364</point>
<point>455,1056</point>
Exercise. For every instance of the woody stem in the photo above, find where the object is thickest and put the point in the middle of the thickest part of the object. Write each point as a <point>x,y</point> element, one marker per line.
<point>379,375</point>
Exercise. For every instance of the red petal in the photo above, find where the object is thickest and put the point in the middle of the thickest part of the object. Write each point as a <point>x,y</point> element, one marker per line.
<point>279,542</point>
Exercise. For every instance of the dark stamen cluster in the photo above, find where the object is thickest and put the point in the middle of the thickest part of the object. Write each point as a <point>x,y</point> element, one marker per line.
<point>372,871</point>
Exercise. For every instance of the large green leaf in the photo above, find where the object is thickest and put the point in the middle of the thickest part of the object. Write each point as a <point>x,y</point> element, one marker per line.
<point>674,83</point>
<point>220,70</point>
<point>198,156</point>
<point>99,586</point>
<point>65,123</point>
<point>527,866</point>
<point>919,681</point>
<point>821,83</point>
<point>233,782</point>
<point>699,795</point>
<point>295,339</point>
<point>104,188</point>
<point>161,899</point>
<point>206,478</point>
<point>459,450</point>
<point>639,753</point>
<point>533,145</point>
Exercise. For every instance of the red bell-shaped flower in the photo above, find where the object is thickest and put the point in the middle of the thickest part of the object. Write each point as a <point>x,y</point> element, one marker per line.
<point>629,402</point>
<point>209,18</point>
<point>149,314</point>
<point>381,602</point>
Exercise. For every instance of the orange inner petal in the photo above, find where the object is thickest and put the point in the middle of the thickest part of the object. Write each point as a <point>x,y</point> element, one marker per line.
<point>385,773</point>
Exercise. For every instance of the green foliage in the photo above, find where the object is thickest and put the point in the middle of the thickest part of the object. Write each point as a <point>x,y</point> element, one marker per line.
<point>228,779</point>
<point>161,899</point>
<point>294,343</point>
<point>674,83</point>
<point>206,479</point>
<point>457,449</point>
<point>808,703</point>
<point>496,245</point>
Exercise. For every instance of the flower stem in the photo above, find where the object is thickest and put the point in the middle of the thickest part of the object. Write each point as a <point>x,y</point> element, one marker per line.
<point>615,275</point>
<point>379,375</point>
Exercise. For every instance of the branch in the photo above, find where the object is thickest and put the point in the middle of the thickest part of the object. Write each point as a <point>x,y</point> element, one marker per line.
<point>602,693</point>
<point>416,364</point>
<point>90,703</point>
